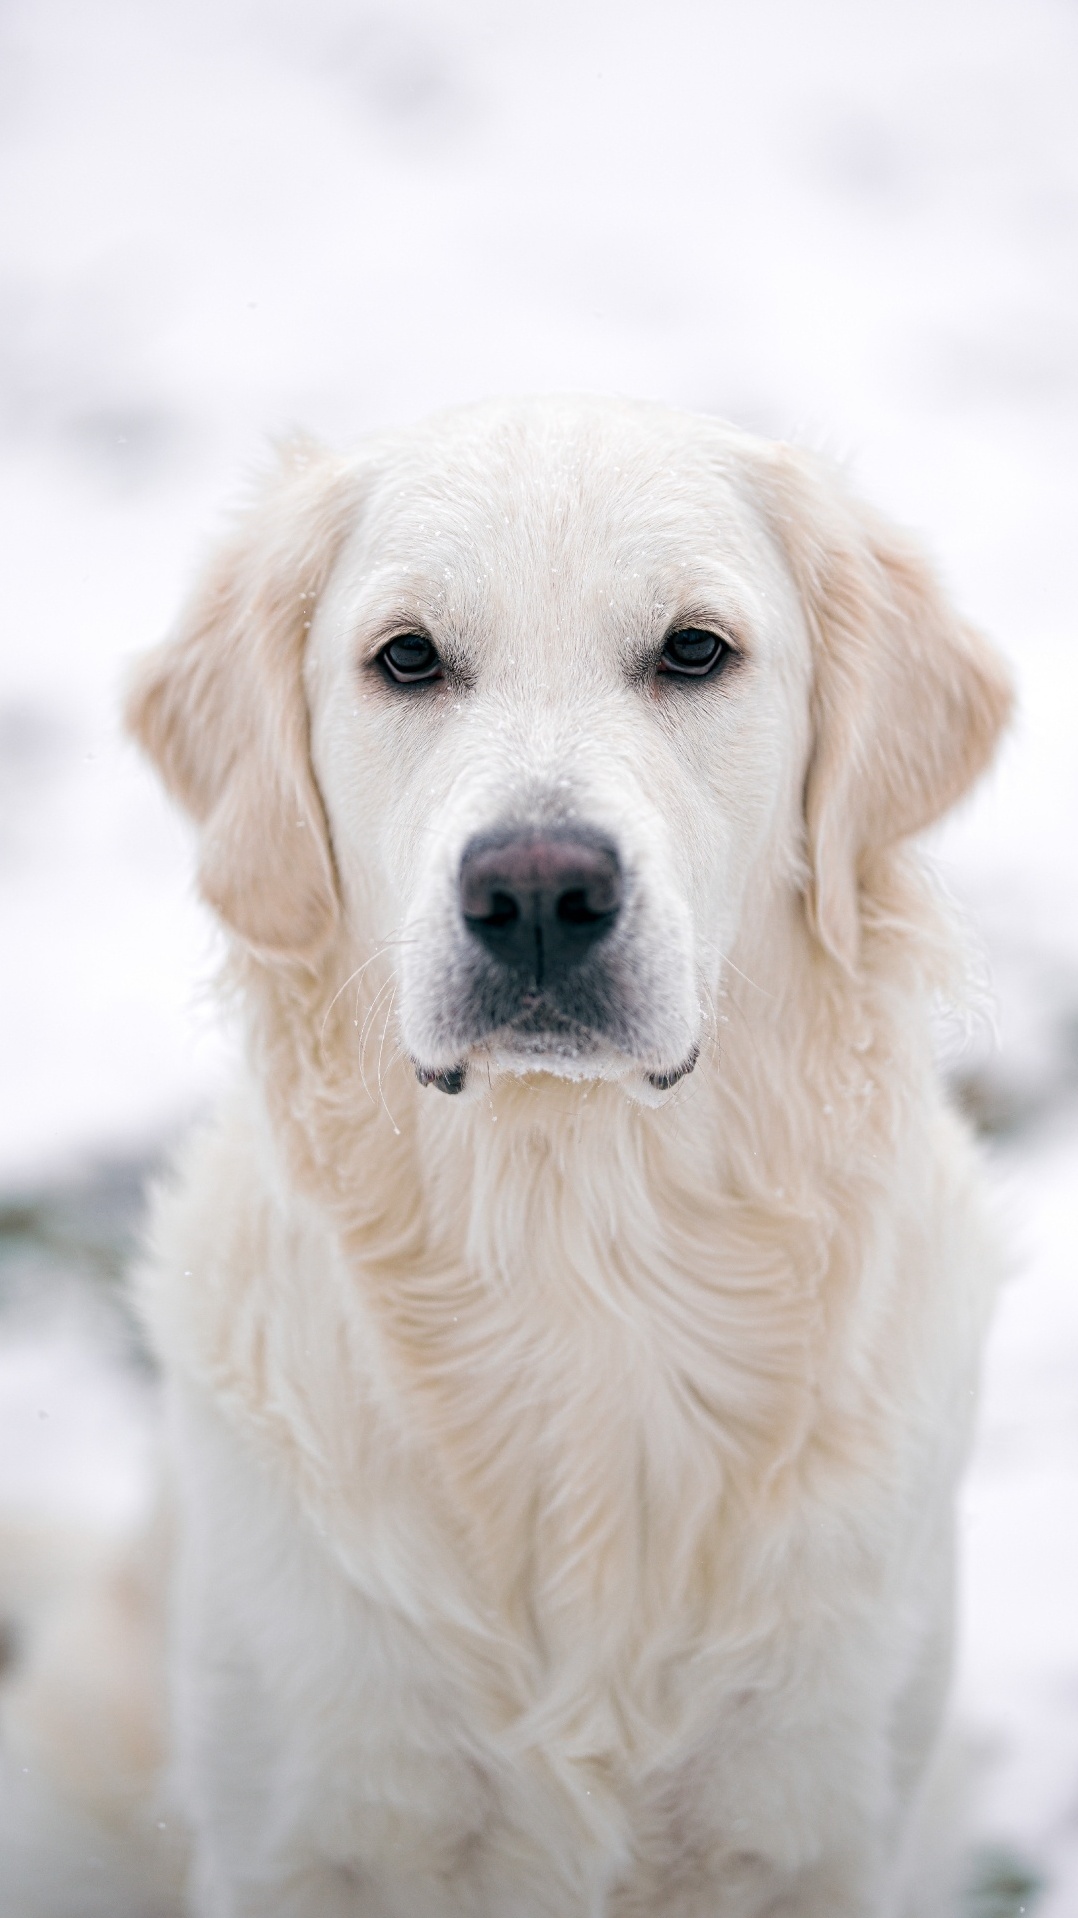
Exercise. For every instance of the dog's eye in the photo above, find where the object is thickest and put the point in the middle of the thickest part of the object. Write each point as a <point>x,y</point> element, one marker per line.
<point>411,659</point>
<point>694,653</point>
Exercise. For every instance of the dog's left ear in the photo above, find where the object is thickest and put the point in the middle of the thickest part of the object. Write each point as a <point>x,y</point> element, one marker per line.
<point>220,709</point>
<point>908,701</point>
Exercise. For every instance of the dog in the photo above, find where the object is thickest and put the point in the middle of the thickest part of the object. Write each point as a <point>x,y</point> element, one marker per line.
<point>570,1321</point>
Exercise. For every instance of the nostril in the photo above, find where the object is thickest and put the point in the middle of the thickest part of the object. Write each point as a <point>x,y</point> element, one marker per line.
<point>503,910</point>
<point>573,909</point>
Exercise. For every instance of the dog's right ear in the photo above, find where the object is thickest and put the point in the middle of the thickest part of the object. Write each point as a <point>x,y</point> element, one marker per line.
<point>220,709</point>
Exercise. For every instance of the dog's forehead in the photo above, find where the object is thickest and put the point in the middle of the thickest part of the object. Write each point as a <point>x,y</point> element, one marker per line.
<point>576,496</point>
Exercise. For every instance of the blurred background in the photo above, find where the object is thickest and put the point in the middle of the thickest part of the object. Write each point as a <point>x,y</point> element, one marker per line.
<point>847,222</point>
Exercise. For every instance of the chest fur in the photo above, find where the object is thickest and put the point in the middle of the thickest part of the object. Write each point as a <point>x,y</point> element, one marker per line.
<point>595,1430</point>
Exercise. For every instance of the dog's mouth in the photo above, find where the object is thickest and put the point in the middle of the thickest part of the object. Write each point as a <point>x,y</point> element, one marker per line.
<point>568,1052</point>
<point>453,1079</point>
<point>540,1034</point>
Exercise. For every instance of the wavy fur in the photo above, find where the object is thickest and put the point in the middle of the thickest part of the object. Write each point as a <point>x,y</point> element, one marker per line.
<point>565,1472</point>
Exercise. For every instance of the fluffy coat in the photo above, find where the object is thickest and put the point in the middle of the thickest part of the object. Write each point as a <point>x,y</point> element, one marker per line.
<point>564,1471</point>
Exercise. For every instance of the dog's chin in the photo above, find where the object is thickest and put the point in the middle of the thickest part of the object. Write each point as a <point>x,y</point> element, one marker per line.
<point>585,1058</point>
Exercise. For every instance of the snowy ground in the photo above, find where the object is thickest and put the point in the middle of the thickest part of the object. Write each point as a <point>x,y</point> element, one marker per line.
<point>855,223</point>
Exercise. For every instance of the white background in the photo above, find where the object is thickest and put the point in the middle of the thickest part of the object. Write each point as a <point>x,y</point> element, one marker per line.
<point>852,222</point>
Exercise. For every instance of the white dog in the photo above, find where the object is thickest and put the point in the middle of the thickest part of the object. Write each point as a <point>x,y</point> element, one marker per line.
<point>565,1467</point>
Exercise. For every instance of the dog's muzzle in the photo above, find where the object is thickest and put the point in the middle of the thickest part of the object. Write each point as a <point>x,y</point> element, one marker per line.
<point>536,906</point>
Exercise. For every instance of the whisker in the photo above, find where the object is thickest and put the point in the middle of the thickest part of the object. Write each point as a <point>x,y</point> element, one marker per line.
<point>395,939</point>
<point>727,961</point>
<point>372,1009</point>
<point>381,1049</point>
<point>387,986</point>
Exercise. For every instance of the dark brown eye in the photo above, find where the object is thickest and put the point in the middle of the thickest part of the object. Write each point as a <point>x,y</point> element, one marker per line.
<point>411,659</point>
<point>694,654</point>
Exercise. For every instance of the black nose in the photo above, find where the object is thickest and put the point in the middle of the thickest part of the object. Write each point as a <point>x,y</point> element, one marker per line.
<point>538,901</point>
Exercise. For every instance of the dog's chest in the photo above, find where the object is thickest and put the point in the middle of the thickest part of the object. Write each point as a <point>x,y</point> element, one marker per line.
<point>644,1743</point>
<point>613,1558</point>
<point>573,1596</point>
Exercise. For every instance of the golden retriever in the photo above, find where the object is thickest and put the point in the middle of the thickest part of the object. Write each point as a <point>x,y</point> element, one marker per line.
<point>571,1321</point>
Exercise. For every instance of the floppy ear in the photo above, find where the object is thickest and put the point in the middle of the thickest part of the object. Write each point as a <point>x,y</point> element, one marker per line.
<point>220,709</point>
<point>908,701</point>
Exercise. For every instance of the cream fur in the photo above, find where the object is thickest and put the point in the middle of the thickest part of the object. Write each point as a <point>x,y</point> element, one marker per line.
<point>565,1470</point>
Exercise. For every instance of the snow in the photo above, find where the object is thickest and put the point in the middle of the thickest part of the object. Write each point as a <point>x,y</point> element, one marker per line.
<point>854,224</point>
<point>1018,1670</point>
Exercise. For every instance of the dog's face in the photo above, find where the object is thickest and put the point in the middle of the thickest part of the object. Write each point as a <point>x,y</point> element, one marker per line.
<point>551,700</point>
<point>559,715</point>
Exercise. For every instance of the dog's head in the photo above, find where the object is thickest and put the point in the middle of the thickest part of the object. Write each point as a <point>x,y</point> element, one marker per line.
<point>551,702</point>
